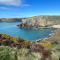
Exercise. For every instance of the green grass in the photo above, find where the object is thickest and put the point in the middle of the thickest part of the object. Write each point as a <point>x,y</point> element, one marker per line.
<point>55,45</point>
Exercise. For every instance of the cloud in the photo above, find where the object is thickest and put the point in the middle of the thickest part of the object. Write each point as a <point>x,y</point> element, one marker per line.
<point>11,2</point>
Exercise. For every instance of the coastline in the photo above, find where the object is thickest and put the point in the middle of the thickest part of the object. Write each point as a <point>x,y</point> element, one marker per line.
<point>50,35</point>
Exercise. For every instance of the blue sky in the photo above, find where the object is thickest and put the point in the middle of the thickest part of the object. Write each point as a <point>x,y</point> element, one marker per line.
<point>28,8</point>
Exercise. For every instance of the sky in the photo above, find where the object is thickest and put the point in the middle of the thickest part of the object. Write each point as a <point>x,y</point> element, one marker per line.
<point>28,8</point>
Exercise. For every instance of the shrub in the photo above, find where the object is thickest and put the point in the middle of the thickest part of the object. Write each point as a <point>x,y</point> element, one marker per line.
<point>14,39</point>
<point>46,44</point>
<point>5,36</point>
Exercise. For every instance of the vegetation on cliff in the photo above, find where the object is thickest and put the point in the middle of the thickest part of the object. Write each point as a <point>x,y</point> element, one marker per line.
<point>12,48</point>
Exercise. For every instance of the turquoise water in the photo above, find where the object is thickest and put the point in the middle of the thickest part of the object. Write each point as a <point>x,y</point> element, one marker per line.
<point>28,34</point>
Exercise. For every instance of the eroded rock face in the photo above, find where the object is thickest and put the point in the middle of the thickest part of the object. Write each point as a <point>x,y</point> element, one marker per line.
<point>41,21</point>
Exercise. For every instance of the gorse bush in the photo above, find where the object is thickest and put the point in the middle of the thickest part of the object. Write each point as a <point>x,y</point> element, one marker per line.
<point>5,36</point>
<point>14,39</point>
<point>46,44</point>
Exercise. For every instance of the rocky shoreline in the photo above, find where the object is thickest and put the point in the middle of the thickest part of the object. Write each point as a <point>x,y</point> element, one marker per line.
<point>34,27</point>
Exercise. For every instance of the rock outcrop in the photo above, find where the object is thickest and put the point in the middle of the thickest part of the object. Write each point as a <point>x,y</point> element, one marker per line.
<point>40,21</point>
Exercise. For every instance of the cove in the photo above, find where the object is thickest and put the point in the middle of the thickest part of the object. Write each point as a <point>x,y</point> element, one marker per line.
<point>11,28</point>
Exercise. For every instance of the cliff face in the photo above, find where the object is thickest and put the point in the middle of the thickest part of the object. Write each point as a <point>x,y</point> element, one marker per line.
<point>43,20</point>
<point>51,20</point>
<point>54,19</point>
<point>36,20</point>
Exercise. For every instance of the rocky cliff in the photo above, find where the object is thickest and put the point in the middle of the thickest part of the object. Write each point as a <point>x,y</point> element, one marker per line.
<point>36,20</point>
<point>40,21</point>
